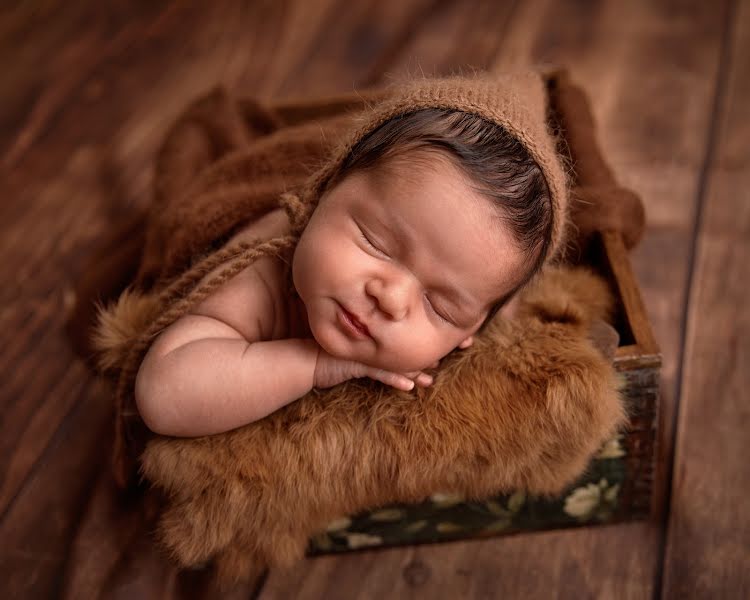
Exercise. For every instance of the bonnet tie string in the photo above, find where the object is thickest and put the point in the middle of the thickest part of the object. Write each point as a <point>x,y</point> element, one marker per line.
<point>296,210</point>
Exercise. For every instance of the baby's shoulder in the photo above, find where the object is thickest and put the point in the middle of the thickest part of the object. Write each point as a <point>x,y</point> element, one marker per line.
<point>271,225</point>
<point>253,302</point>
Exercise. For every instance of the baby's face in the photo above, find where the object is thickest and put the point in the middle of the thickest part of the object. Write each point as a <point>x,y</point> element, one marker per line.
<point>410,250</point>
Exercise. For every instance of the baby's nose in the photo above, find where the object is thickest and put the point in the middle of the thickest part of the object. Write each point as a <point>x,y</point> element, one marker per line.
<point>395,309</point>
<point>394,297</point>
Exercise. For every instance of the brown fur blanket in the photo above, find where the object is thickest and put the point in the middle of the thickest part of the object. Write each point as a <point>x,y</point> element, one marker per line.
<point>524,408</point>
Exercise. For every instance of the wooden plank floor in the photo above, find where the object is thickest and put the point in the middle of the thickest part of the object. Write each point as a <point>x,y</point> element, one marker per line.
<point>87,92</point>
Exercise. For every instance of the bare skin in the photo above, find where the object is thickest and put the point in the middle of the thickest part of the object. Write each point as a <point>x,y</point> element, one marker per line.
<point>249,348</point>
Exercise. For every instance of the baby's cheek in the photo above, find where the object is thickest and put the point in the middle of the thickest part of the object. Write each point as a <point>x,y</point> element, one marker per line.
<point>419,354</point>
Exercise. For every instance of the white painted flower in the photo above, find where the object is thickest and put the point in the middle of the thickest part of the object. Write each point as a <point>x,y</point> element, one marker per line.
<point>362,540</point>
<point>593,499</point>
<point>446,498</point>
<point>612,449</point>
<point>582,502</point>
<point>340,523</point>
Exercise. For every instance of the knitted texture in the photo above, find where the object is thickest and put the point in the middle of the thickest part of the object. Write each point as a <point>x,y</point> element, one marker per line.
<point>518,102</point>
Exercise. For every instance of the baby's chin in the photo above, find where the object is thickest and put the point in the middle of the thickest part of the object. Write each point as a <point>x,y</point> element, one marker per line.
<point>397,363</point>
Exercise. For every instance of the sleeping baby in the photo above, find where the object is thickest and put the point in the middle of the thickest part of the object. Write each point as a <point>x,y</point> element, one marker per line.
<point>302,273</point>
<point>431,224</point>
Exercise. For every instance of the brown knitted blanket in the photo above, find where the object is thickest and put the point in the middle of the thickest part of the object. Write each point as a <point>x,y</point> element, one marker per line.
<point>525,407</point>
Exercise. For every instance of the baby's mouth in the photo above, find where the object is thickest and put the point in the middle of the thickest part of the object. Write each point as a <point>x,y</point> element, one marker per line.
<point>353,323</point>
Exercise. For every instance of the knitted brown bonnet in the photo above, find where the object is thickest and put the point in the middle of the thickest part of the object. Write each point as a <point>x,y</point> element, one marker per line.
<point>517,101</point>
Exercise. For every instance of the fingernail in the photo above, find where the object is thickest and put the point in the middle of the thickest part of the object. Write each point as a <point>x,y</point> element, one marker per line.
<point>411,385</point>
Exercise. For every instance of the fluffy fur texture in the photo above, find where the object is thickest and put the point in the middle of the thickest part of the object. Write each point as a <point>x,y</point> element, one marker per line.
<point>525,407</point>
<point>119,324</point>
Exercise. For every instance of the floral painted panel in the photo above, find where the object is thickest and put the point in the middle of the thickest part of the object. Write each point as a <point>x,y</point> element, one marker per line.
<point>592,499</point>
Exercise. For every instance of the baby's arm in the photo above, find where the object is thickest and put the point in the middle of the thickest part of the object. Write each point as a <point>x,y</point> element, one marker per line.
<point>217,368</point>
<point>201,377</point>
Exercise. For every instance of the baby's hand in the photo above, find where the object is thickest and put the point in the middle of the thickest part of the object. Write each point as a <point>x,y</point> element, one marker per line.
<point>330,371</point>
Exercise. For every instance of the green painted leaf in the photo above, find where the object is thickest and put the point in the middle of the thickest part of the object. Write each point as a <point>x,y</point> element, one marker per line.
<point>388,514</point>
<point>363,540</point>
<point>611,494</point>
<point>497,509</point>
<point>500,525</point>
<point>448,527</point>
<point>516,501</point>
<point>416,526</point>
<point>323,541</point>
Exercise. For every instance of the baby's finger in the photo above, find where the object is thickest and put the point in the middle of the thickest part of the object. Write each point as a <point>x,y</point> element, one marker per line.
<point>419,377</point>
<point>400,382</point>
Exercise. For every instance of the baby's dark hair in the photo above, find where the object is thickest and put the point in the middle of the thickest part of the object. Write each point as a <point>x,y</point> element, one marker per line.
<point>498,165</point>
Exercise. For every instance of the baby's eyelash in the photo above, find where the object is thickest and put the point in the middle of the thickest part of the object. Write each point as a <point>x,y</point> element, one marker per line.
<point>368,242</point>
<point>441,317</point>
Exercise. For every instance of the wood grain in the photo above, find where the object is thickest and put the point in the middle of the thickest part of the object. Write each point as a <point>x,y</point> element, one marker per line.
<point>37,528</point>
<point>645,347</point>
<point>84,106</point>
<point>614,50</point>
<point>708,547</point>
<point>348,46</point>
<point>89,90</point>
<point>453,37</point>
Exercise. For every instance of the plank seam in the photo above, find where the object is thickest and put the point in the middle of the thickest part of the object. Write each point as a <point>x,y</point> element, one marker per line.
<point>722,81</point>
